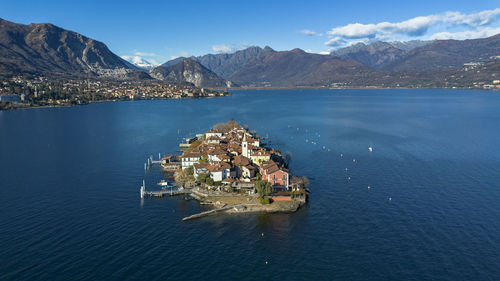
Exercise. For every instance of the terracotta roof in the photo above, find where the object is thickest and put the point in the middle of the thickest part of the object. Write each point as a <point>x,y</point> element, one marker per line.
<point>241,160</point>
<point>224,165</point>
<point>250,167</point>
<point>201,166</point>
<point>191,154</point>
<point>261,153</point>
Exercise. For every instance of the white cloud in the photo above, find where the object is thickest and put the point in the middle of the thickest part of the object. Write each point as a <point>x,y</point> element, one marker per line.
<point>229,48</point>
<point>141,62</point>
<point>467,34</point>
<point>336,42</point>
<point>181,54</point>
<point>223,48</point>
<point>309,32</point>
<point>143,54</point>
<point>476,19</point>
<point>417,28</point>
<point>324,53</point>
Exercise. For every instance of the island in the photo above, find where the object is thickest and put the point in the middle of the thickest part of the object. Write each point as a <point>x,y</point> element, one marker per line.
<point>231,169</point>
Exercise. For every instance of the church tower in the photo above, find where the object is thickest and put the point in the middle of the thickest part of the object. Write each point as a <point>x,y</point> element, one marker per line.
<point>244,146</point>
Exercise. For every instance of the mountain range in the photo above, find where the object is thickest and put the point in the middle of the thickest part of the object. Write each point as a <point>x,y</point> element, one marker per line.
<point>45,49</point>
<point>48,49</point>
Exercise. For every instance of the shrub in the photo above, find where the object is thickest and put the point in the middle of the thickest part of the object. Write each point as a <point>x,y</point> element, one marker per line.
<point>265,201</point>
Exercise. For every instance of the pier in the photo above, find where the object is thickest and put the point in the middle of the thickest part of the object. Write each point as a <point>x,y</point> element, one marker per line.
<point>161,193</point>
<point>150,161</point>
<point>211,212</point>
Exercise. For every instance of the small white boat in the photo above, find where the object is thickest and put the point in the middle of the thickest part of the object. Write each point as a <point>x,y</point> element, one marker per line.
<point>164,183</point>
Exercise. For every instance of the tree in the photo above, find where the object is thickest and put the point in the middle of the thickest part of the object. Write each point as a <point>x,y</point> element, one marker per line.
<point>209,181</point>
<point>203,177</point>
<point>182,178</point>
<point>265,201</point>
<point>263,188</point>
<point>204,159</point>
<point>190,170</point>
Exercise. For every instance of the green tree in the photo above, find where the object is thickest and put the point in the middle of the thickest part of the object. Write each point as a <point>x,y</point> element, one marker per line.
<point>265,201</point>
<point>209,181</point>
<point>263,188</point>
<point>203,177</point>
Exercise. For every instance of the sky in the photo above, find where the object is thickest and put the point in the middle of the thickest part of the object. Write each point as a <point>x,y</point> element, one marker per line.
<point>158,31</point>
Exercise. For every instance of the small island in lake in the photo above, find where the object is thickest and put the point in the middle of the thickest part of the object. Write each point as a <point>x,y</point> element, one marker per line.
<point>230,168</point>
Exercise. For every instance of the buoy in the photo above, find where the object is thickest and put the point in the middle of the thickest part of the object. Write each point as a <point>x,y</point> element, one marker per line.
<point>341,155</point>
<point>349,178</point>
<point>346,169</point>
<point>262,234</point>
<point>370,149</point>
<point>266,262</point>
<point>390,198</point>
<point>369,187</point>
<point>353,160</point>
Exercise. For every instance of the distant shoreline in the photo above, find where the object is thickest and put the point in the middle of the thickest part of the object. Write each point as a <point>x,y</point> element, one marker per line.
<point>351,88</point>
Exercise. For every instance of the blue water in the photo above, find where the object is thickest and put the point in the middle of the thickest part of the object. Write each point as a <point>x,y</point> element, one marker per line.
<point>70,178</point>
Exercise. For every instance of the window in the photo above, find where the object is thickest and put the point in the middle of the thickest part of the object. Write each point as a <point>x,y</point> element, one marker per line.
<point>284,179</point>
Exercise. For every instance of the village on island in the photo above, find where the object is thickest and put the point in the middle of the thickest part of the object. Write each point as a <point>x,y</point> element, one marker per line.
<point>231,169</point>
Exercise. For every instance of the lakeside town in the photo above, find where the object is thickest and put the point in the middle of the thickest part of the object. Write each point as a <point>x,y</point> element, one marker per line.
<point>20,92</point>
<point>230,168</point>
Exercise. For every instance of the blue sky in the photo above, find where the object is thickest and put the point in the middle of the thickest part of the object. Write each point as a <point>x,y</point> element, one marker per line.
<point>161,30</point>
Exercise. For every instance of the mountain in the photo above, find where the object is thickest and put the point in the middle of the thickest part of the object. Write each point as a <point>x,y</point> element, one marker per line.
<point>50,50</point>
<point>296,68</point>
<point>140,62</point>
<point>378,54</point>
<point>264,67</point>
<point>191,71</point>
<point>442,54</point>
<point>374,55</point>
<point>225,65</point>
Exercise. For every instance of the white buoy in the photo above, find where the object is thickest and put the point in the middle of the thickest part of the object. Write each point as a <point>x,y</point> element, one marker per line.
<point>349,178</point>
<point>346,169</point>
<point>390,198</point>
<point>370,149</point>
<point>341,155</point>
<point>353,160</point>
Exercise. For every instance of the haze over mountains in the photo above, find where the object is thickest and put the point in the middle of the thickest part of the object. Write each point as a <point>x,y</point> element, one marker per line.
<point>49,50</point>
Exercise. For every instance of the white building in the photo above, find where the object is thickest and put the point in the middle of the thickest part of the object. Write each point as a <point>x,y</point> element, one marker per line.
<point>189,159</point>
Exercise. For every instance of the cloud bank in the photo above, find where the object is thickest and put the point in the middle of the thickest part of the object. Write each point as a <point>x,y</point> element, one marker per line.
<point>448,25</point>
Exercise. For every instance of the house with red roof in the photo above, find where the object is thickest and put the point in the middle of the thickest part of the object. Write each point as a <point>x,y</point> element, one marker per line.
<point>278,177</point>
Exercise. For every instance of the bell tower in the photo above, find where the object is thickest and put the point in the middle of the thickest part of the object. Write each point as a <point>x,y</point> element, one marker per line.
<point>244,146</point>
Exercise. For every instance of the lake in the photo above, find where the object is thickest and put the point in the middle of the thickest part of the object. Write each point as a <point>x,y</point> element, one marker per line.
<point>70,178</point>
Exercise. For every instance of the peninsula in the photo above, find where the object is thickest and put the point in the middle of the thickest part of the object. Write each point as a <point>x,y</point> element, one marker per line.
<point>230,168</point>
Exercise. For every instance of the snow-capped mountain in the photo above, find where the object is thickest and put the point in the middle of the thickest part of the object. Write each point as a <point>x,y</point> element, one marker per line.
<point>140,62</point>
